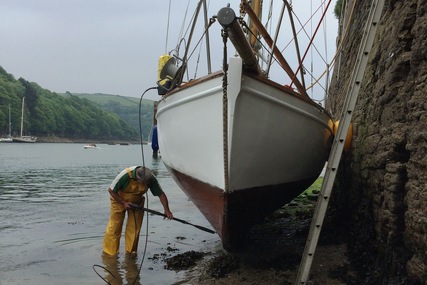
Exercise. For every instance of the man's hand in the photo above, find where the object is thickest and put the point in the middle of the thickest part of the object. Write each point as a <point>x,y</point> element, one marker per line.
<point>126,205</point>
<point>119,199</point>
<point>169,214</point>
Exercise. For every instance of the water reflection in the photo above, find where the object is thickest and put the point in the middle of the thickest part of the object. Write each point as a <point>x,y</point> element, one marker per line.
<point>118,273</point>
<point>158,168</point>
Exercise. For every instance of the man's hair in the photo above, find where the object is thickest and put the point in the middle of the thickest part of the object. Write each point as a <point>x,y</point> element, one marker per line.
<point>143,174</point>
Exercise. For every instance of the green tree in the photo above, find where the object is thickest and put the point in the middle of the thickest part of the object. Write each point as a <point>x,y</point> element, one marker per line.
<point>338,8</point>
<point>50,114</point>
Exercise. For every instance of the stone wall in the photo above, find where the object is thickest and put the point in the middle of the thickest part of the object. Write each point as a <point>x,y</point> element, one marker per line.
<point>382,182</point>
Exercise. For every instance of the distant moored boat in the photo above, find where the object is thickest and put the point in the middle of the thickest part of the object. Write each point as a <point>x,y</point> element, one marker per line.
<point>22,138</point>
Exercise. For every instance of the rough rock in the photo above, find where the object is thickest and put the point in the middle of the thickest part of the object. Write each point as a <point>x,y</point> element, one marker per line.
<point>384,193</point>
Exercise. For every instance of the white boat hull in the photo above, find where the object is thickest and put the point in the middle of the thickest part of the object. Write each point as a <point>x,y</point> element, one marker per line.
<point>277,145</point>
<point>90,147</point>
<point>24,139</point>
<point>6,140</point>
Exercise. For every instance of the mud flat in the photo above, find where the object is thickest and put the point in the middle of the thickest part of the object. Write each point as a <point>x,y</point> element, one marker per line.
<point>271,253</point>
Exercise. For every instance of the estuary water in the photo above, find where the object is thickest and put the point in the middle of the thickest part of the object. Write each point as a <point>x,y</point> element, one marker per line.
<point>54,208</point>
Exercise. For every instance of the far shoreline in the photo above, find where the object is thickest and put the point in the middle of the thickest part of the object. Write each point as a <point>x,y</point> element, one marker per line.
<point>53,139</point>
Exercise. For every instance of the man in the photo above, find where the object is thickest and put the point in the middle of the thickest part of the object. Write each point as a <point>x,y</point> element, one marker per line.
<point>129,187</point>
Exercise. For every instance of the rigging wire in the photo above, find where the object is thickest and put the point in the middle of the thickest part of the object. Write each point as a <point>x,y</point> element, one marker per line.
<point>185,29</point>
<point>302,29</point>
<point>310,72</point>
<point>269,27</point>
<point>338,50</point>
<point>181,35</point>
<point>167,28</point>
<point>196,46</point>
<point>325,36</point>
<point>201,38</point>
<point>325,40</point>
<point>270,16</point>
<point>311,41</point>
<point>198,60</point>
<point>311,50</point>
<point>200,51</point>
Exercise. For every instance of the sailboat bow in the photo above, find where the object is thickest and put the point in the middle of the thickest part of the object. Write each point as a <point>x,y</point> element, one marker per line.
<point>239,144</point>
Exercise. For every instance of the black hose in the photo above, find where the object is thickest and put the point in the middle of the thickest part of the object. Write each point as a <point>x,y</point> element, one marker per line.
<point>137,207</point>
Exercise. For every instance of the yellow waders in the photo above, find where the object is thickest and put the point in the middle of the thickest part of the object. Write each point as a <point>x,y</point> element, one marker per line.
<point>132,193</point>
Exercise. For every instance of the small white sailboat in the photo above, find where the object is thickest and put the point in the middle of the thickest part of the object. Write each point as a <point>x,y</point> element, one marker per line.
<point>90,146</point>
<point>6,140</point>
<point>22,138</point>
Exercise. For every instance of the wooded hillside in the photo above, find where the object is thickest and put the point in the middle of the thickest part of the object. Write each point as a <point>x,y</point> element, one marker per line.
<point>67,116</point>
<point>127,108</point>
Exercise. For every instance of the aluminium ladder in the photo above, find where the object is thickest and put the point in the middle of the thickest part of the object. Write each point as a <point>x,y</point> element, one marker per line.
<point>339,140</point>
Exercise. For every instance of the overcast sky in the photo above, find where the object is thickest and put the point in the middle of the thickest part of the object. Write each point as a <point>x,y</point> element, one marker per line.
<point>94,46</point>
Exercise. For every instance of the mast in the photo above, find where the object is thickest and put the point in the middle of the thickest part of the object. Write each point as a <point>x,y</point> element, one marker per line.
<point>257,8</point>
<point>10,124</point>
<point>22,115</point>
<point>181,72</point>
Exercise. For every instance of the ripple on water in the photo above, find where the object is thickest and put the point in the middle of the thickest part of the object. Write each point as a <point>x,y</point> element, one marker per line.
<point>55,207</point>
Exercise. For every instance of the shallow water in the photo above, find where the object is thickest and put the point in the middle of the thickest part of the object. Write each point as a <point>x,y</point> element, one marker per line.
<point>54,207</point>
